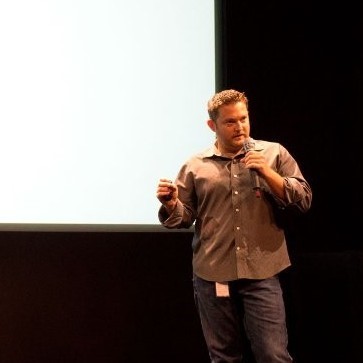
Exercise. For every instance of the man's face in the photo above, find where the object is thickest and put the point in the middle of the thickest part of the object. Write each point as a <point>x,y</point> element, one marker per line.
<point>232,127</point>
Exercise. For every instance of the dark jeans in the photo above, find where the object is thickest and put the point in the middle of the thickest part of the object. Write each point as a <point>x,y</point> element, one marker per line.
<point>255,310</point>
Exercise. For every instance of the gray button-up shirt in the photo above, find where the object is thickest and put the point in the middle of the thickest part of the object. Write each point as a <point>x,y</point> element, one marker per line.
<point>236,234</point>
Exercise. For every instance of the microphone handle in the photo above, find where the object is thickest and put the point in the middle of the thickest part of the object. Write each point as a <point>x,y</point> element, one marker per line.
<point>255,182</point>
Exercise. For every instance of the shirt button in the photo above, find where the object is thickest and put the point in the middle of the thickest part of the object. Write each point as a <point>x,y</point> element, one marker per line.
<point>236,192</point>
<point>238,228</point>
<point>238,248</point>
<point>237,210</point>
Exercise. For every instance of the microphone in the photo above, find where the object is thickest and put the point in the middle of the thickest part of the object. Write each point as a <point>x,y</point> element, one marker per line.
<point>247,146</point>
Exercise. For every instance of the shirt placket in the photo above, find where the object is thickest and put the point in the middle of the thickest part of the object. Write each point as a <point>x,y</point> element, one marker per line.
<point>241,250</point>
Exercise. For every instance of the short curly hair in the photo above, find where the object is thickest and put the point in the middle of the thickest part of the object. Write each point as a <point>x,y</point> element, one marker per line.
<point>225,97</point>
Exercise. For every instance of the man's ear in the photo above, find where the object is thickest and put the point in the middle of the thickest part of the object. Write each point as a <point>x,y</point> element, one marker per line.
<point>212,125</point>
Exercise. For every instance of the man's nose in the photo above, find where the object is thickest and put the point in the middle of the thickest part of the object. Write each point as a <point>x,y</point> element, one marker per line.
<point>239,125</point>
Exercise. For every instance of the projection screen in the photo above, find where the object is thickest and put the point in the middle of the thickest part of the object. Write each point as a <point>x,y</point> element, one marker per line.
<point>99,99</point>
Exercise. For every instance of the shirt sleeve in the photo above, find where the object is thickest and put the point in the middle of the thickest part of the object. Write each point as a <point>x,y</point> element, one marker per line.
<point>298,193</point>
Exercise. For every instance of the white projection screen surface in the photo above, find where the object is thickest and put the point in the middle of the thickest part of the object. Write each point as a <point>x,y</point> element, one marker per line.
<point>99,99</point>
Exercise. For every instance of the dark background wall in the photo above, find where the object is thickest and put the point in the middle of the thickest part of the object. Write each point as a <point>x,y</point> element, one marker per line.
<point>87,297</point>
<point>111,297</point>
<point>126,296</point>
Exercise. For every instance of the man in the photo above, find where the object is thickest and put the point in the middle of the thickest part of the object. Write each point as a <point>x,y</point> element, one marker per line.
<point>232,193</point>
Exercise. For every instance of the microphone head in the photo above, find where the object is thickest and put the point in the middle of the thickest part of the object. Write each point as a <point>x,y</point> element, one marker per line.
<point>248,145</point>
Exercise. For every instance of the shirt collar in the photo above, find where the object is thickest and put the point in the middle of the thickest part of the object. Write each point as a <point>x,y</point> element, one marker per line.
<point>213,150</point>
